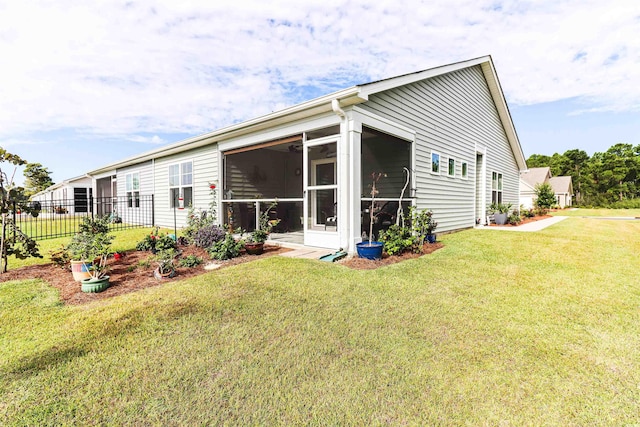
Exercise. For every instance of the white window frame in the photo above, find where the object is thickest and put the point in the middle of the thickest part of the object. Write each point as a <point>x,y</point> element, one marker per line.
<point>464,170</point>
<point>132,189</point>
<point>181,184</point>
<point>449,174</point>
<point>434,153</point>
<point>496,187</point>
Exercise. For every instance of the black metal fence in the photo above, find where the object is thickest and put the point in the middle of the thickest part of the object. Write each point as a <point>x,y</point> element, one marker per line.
<point>59,218</point>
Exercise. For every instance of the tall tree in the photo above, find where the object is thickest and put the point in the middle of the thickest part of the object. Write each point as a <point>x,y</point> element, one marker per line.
<point>37,178</point>
<point>577,160</point>
<point>538,161</point>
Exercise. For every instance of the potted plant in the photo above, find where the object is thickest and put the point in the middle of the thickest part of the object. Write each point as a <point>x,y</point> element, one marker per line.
<point>371,249</point>
<point>500,212</point>
<point>99,252</point>
<point>254,244</point>
<point>166,267</point>
<point>82,248</point>
<point>431,225</point>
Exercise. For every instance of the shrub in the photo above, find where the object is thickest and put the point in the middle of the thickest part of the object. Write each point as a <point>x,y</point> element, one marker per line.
<point>227,248</point>
<point>90,225</point>
<point>190,261</point>
<point>398,239</point>
<point>540,211</point>
<point>156,241</point>
<point>207,236</point>
<point>61,258</point>
<point>514,218</point>
<point>545,197</point>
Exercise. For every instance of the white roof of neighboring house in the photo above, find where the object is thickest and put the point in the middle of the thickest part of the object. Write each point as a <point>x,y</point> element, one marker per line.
<point>63,183</point>
<point>346,97</point>
<point>561,184</point>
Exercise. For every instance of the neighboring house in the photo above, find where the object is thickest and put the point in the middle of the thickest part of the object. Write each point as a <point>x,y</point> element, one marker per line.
<point>69,196</point>
<point>450,126</point>
<point>561,185</point>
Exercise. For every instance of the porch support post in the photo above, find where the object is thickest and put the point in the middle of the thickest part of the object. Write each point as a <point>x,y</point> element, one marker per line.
<point>354,141</point>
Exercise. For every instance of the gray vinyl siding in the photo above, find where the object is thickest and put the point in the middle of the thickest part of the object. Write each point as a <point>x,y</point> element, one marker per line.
<point>450,114</point>
<point>205,171</point>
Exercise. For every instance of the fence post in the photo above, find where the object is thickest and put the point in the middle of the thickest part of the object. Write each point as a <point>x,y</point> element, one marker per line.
<point>91,205</point>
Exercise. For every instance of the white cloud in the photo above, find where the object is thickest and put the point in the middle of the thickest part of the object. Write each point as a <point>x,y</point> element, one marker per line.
<point>117,69</point>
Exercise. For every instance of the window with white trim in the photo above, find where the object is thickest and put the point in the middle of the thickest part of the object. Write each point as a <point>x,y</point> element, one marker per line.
<point>496,187</point>
<point>465,170</point>
<point>132,188</point>
<point>180,184</point>
<point>452,168</point>
<point>435,163</point>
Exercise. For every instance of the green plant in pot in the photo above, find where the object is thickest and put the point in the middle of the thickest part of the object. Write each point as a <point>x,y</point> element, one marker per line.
<point>165,259</point>
<point>82,248</point>
<point>99,252</point>
<point>500,212</point>
<point>254,244</point>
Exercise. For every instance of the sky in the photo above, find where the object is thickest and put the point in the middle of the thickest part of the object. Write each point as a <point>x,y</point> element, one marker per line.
<point>85,84</point>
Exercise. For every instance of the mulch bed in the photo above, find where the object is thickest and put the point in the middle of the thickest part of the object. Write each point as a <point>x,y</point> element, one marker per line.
<point>125,275</point>
<point>365,264</point>
<point>130,274</point>
<point>524,221</point>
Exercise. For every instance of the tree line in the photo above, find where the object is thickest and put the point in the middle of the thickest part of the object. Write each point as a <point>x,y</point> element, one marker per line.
<point>607,179</point>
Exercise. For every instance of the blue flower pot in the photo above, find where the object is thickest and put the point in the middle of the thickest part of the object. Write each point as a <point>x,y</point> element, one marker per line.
<point>371,251</point>
<point>431,238</point>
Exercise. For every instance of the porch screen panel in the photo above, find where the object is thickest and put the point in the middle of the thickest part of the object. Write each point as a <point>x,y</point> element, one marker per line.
<point>384,153</point>
<point>272,172</point>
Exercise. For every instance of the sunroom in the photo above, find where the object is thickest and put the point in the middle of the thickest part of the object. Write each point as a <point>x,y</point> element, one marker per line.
<point>321,181</point>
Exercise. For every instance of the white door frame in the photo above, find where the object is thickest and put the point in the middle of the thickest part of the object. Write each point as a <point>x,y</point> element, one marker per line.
<point>318,236</point>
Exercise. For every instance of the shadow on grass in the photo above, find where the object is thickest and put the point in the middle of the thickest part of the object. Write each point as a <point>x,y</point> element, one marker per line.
<point>95,331</point>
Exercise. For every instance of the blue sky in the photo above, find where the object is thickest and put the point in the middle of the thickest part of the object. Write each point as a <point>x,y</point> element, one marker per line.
<point>85,85</point>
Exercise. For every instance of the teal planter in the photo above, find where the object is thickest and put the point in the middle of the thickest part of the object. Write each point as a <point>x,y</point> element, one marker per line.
<point>92,285</point>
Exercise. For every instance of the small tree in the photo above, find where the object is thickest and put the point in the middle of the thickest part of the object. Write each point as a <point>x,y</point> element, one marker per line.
<point>545,197</point>
<point>12,241</point>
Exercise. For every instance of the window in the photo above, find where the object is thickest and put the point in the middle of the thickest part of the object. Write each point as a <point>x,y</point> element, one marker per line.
<point>132,188</point>
<point>180,184</point>
<point>496,187</point>
<point>435,163</point>
<point>464,170</point>
<point>452,167</point>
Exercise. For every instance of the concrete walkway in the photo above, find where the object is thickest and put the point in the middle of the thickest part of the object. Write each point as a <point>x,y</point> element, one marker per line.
<point>307,252</point>
<point>530,226</point>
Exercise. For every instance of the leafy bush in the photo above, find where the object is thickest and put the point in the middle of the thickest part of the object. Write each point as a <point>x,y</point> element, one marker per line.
<point>146,244</point>
<point>227,248</point>
<point>545,197</point>
<point>61,258</point>
<point>207,236</point>
<point>527,213</point>
<point>90,225</point>
<point>397,239</point>
<point>514,218</point>
<point>540,211</point>
<point>190,261</point>
<point>156,242</point>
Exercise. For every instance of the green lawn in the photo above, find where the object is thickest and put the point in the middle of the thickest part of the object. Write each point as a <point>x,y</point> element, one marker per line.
<point>495,329</point>
<point>599,212</point>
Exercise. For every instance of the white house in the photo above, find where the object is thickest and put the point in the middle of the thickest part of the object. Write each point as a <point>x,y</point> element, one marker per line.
<point>69,196</point>
<point>450,126</point>
<point>562,186</point>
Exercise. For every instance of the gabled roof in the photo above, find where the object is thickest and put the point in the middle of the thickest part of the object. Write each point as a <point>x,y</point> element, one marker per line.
<point>346,97</point>
<point>535,176</point>
<point>561,184</point>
